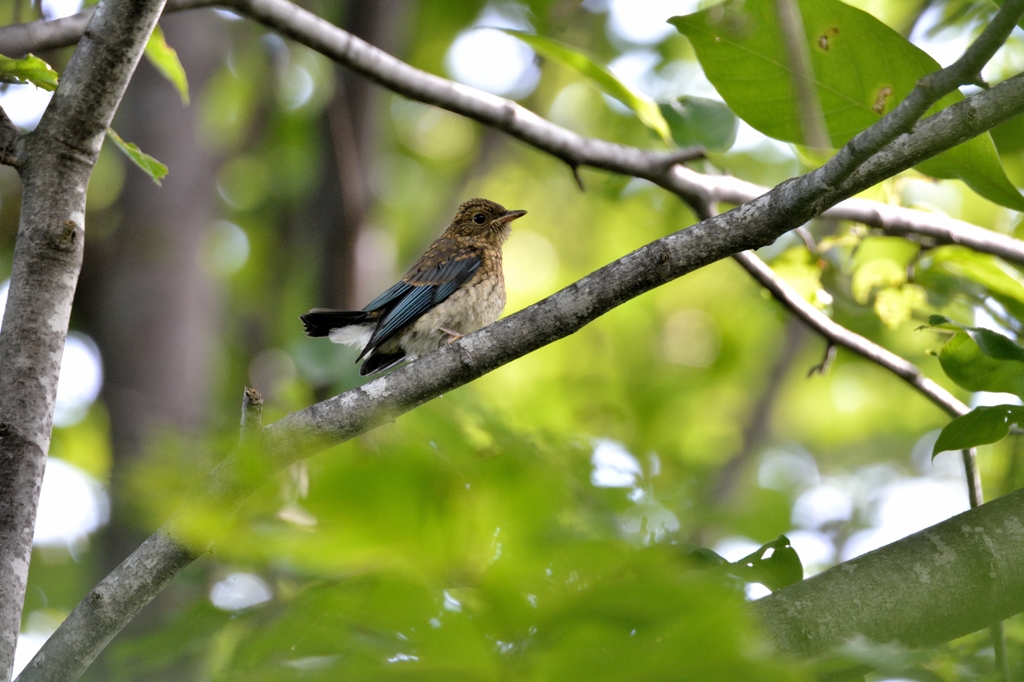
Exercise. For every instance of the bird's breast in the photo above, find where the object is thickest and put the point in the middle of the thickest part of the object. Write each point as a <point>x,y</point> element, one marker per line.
<point>476,304</point>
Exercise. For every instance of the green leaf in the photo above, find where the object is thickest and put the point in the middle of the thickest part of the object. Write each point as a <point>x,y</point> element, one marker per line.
<point>981,360</point>
<point>695,120</point>
<point>895,306</point>
<point>980,426</point>
<point>879,273</point>
<point>1009,136</point>
<point>28,69</point>
<point>645,108</point>
<point>990,343</point>
<point>702,557</point>
<point>991,272</point>
<point>862,69</point>
<point>775,565</point>
<point>165,59</point>
<point>147,163</point>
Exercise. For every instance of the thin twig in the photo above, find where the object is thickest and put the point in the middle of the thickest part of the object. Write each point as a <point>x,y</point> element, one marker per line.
<point>840,336</point>
<point>827,358</point>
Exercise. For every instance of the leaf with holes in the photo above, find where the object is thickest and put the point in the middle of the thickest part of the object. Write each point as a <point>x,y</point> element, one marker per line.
<point>775,565</point>
<point>980,426</point>
<point>862,70</point>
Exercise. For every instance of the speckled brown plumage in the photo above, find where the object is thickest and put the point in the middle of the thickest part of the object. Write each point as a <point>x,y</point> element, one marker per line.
<point>455,288</point>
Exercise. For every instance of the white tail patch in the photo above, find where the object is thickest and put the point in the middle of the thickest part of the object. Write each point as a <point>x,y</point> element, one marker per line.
<point>353,335</point>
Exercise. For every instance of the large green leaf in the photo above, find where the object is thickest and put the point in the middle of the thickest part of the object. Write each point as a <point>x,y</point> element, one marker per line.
<point>695,120</point>
<point>982,360</point>
<point>28,69</point>
<point>862,69</point>
<point>980,426</point>
<point>646,109</point>
<point>165,59</point>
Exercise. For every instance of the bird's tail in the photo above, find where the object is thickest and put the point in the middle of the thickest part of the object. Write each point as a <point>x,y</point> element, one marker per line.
<point>320,321</point>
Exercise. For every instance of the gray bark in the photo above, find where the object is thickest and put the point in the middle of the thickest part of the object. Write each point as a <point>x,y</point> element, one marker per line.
<point>57,160</point>
<point>954,578</point>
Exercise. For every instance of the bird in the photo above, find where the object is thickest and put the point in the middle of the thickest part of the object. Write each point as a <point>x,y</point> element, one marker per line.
<point>455,288</point>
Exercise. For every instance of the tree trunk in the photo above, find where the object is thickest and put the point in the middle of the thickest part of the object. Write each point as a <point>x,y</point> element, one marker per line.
<point>145,297</point>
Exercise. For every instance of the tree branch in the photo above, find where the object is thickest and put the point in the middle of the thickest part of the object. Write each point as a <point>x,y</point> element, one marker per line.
<point>656,166</point>
<point>36,36</point>
<point>964,71</point>
<point>333,421</point>
<point>895,220</point>
<point>957,577</point>
<point>10,141</point>
<point>56,162</point>
<point>839,335</point>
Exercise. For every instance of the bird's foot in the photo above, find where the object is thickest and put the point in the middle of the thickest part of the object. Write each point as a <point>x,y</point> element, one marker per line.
<point>452,336</point>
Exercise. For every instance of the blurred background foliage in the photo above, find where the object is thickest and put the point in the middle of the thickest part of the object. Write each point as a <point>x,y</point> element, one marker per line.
<point>539,523</point>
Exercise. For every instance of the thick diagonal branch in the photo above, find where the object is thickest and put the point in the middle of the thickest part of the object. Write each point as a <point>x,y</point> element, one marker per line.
<point>333,421</point>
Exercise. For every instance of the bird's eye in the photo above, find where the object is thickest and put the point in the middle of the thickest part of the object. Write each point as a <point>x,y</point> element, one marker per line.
<point>479,219</point>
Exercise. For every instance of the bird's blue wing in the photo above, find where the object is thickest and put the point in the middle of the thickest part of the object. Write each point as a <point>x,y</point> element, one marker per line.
<point>397,291</point>
<point>418,293</point>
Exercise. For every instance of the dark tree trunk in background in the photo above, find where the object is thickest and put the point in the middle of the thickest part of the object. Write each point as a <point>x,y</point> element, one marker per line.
<point>352,121</point>
<point>145,296</point>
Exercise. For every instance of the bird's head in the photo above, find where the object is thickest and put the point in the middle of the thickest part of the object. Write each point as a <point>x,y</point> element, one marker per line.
<point>481,218</point>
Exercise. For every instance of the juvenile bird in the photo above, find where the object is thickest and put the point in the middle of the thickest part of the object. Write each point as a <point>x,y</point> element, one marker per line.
<point>455,288</point>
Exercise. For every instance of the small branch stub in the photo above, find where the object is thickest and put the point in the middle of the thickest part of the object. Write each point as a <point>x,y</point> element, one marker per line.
<point>252,416</point>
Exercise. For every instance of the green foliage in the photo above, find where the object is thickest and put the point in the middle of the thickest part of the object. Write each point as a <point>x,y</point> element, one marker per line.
<point>981,360</point>
<point>28,69</point>
<point>165,59</point>
<point>150,166</point>
<point>448,546</point>
<point>775,565</point>
<point>862,70</point>
<point>980,426</point>
<point>645,108</point>
<point>695,120</point>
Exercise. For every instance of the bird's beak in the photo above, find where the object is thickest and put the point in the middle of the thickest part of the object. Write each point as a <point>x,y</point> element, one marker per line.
<point>509,217</point>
